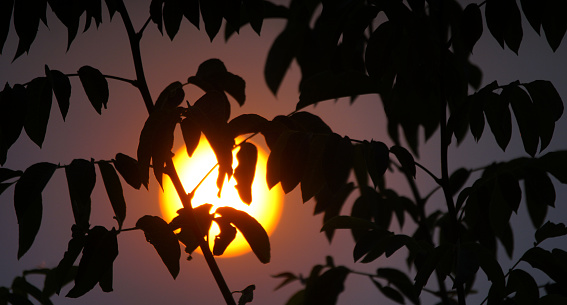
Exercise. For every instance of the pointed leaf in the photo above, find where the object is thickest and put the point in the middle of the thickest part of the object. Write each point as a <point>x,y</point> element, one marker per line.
<point>533,10</point>
<point>279,59</point>
<point>184,222</point>
<point>13,104</point>
<point>247,295</point>
<point>190,10</point>
<point>472,26</point>
<point>554,22</point>
<point>499,118</point>
<point>550,230</point>
<point>226,236</point>
<point>38,109</point>
<point>28,202</point>
<point>325,289</point>
<point>540,193</point>
<point>405,158</point>
<point>65,272</point>
<point>191,135</point>
<point>252,230</point>
<point>288,278</point>
<point>128,168</point>
<point>505,23</point>
<point>246,123</point>
<point>247,157</point>
<point>6,8</point>
<point>159,234</point>
<point>377,160</point>
<point>401,281</point>
<point>526,288</point>
<point>156,13</point>
<point>95,85</point>
<point>81,179</point>
<point>212,16</point>
<point>171,96</point>
<point>26,22</point>
<point>172,15</point>
<point>524,112</point>
<point>61,88</point>
<point>548,108</point>
<point>114,191</point>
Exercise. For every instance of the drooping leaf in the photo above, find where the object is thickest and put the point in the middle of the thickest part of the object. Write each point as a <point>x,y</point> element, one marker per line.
<point>524,112</point>
<point>313,179</point>
<point>472,26</point>
<point>156,8</point>
<point>28,202</point>
<point>252,230</point>
<point>540,193</point>
<point>293,160</point>
<point>246,123</point>
<point>551,263</point>
<point>13,103</point>
<point>553,22</point>
<point>457,179</point>
<point>212,16</point>
<point>191,135</point>
<point>114,191</point>
<point>81,179</point>
<point>337,160</point>
<point>26,22</point>
<point>533,9</point>
<point>96,87</point>
<point>247,157</point>
<point>548,108</point>
<point>61,88</point>
<point>21,286</point>
<point>377,160</point>
<point>171,96</point>
<point>288,278</point>
<point>6,8</point>
<point>405,158</point>
<point>101,248</point>
<point>401,281</point>
<point>550,230</point>
<point>38,109</point>
<point>172,15</point>
<point>190,10</point>
<point>555,163</point>
<point>6,174</point>
<point>226,236</point>
<point>504,23</point>
<point>521,282</point>
<point>128,168</point>
<point>390,292</point>
<point>184,222</point>
<point>159,234</point>
<point>65,271</point>
<point>279,59</point>
<point>213,75</point>
<point>499,118</point>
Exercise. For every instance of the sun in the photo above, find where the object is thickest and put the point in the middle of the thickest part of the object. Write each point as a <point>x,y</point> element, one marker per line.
<point>266,206</point>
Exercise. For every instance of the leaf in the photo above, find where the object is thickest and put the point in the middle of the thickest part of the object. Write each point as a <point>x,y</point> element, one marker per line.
<point>472,26</point>
<point>247,295</point>
<point>499,118</point>
<point>554,23</point>
<point>293,160</point>
<point>128,168</point>
<point>13,103</point>
<point>491,268</point>
<point>28,202</point>
<point>226,236</point>
<point>38,109</point>
<point>390,292</point>
<point>246,123</point>
<point>252,230</point>
<point>156,13</point>
<point>114,191</point>
<point>526,288</point>
<point>337,160</point>
<point>171,96</point>
<point>26,22</point>
<point>330,85</point>
<point>212,16</point>
<point>95,85</point>
<point>533,9</point>
<point>81,179</point>
<point>21,286</point>
<point>540,193</point>
<point>6,8</point>
<point>325,289</point>
<point>313,178</point>
<point>247,158</point>
<point>159,234</point>
<point>212,75</point>
<point>405,158</point>
<point>172,15</point>
<point>504,23</point>
<point>548,108</point>
<point>61,88</point>
<point>457,179</point>
<point>279,59</point>
<point>65,272</point>
<point>288,278</point>
<point>184,222</point>
<point>524,112</point>
<point>7,174</point>
<point>190,10</point>
<point>550,230</point>
<point>191,135</point>
<point>401,281</point>
<point>555,163</point>
<point>551,263</point>
<point>347,222</point>
<point>428,266</point>
<point>99,253</point>
<point>377,160</point>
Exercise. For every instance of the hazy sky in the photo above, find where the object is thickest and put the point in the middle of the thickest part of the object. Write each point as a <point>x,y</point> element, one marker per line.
<point>139,275</point>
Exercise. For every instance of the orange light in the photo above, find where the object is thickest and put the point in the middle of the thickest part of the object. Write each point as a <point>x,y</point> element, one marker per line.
<point>266,206</point>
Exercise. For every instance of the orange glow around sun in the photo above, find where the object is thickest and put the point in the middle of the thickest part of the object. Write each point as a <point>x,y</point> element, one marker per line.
<point>266,206</point>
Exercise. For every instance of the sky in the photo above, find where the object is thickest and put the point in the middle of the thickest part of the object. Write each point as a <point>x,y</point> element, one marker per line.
<point>139,275</point>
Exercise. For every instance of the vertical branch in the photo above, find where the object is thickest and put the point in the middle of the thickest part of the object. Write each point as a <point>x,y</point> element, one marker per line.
<point>142,86</point>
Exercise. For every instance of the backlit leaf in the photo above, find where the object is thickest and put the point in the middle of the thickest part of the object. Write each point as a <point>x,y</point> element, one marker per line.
<point>95,85</point>
<point>191,135</point>
<point>504,22</point>
<point>526,288</point>
<point>555,163</point>
<point>190,10</point>
<point>225,237</point>
<point>405,158</point>
<point>26,22</point>
<point>288,278</point>
<point>65,271</point>
<point>38,109</point>
<point>247,157</point>
<point>499,118</point>
<point>457,179</point>
<point>171,96</point>
<point>550,230</point>
<point>325,289</point>
<point>128,168</point>
<point>156,7</point>
<point>172,15</point>
<point>337,160</point>
<point>246,123</point>
<point>13,104</point>
<point>212,16</point>
<point>61,88</point>
<point>313,179</point>
<point>6,8</point>
<point>550,262</point>
<point>377,160</point>
<point>114,191</point>
<point>212,75</point>
<point>159,234</point>
<point>540,193</point>
<point>28,202</point>
<point>524,112</point>
<point>472,26</point>
<point>81,179</point>
<point>553,22</point>
<point>548,108</point>
<point>401,281</point>
<point>184,222</point>
<point>252,230</point>
<point>279,59</point>
<point>293,160</point>
<point>533,10</point>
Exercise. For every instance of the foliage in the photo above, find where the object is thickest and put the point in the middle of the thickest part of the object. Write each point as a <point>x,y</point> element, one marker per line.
<point>414,55</point>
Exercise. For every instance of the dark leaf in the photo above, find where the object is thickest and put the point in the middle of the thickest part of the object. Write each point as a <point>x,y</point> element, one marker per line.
<point>114,191</point>
<point>26,22</point>
<point>553,22</point>
<point>279,59</point>
<point>212,75</point>
<point>6,8</point>
<point>128,168</point>
<point>428,266</point>
<point>112,7</point>
<point>457,179</point>
<point>325,289</point>
<point>401,281</point>
<point>288,278</point>
<point>499,118</point>
<point>38,109</point>
<point>533,11</point>
<point>28,202</point>
<point>171,96</point>
<point>390,293</point>
<point>172,15</point>
<point>476,116</point>
<point>491,268</point>
<point>466,267</point>
<point>190,10</point>
<point>540,193</point>
<point>156,13</point>
<point>555,163</point>
<point>247,295</point>
<point>255,13</point>
<point>337,160</point>
<point>61,88</point>
<point>7,174</point>
<point>185,223</point>
<point>159,234</point>
<point>548,108</point>
<point>65,272</point>
<point>472,26</point>
<point>211,11</point>
<point>191,135</point>
<point>293,160</point>
<point>81,179</point>
<point>252,230</point>
<point>5,186</point>
<point>101,248</point>
<point>405,158</point>
<point>550,230</point>
<point>226,236</point>
<point>331,85</point>
<point>21,286</point>
<point>552,263</point>
<point>13,104</point>
<point>246,123</point>
<point>504,22</point>
<point>331,202</point>
<point>297,298</point>
<point>313,179</point>
<point>526,288</point>
<point>95,85</point>
<point>247,157</point>
<point>377,160</point>
<point>524,112</point>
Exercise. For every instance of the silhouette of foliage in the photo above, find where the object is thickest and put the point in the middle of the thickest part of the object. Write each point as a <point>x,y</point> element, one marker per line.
<point>414,55</point>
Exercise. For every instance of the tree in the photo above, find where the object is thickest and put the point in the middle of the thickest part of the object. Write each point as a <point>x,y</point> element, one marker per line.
<point>414,55</point>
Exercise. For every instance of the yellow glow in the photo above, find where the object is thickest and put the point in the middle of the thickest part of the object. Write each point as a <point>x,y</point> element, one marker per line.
<point>266,204</point>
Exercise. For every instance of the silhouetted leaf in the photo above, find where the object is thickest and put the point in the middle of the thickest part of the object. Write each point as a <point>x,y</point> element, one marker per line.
<point>491,268</point>
<point>377,160</point>
<point>213,75</point>
<point>95,85</point>
<point>247,295</point>
<point>212,16</point>
<point>184,222</point>
<point>101,248</point>
<point>279,59</point>
<point>347,222</point>
<point>504,22</point>
<point>247,157</point>
<point>156,13</point>
<point>466,266</point>
<point>81,179</point>
<point>553,22</point>
<point>533,9</point>
<point>38,109</point>
<point>288,278</point>
<point>550,230</point>
<point>401,281</point>
<point>524,112</point>
<point>313,179</point>
<point>330,85</point>
<point>172,15</point>
<point>540,193</point>
<point>246,123</point>
<point>61,88</point>
<point>499,118</point>
<point>112,7</point>
<point>255,13</point>
<point>337,160</point>
<point>26,22</point>
<point>476,116</point>
<point>405,158</point>
<point>548,108</point>
<point>190,10</point>
<point>390,292</point>
<point>555,163</point>
<point>6,8</point>
<point>526,288</point>
<point>457,179</point>
<point>28,202</point>
<point>297,298</point>
<point>171,96</point>
<point>252,230</point>
<point>325,289</point>
<point>226,236</point>
<point>65,272</point>
<point>550,262</point>
<point>191,135</point>
<point>6,174</point>
<point>428,266</point>
<point>472,26</point>
<point>331,202</point>
<point>21,286</point>
<point>5,186</point>
<point>114,191</point>
<point>13,103</point>
<point>129,170</point>
<point>159,234</point>
<point>293,160</point>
